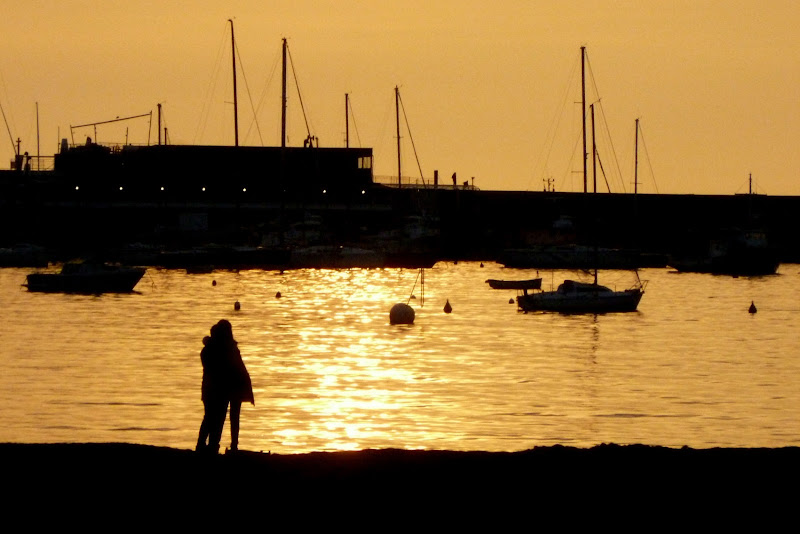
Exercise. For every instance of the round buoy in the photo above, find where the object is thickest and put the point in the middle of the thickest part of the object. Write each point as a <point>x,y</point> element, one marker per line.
<point>213,282</point>
<point>752,307</point>
<point>481,265</point>
<point>401,314</point>
<point>447,307</point>
<point>237,306</point>
<point>278,295</point>
<point>511,301</point>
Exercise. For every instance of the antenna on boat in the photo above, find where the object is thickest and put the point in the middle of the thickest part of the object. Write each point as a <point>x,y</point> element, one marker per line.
<point>346,120</point>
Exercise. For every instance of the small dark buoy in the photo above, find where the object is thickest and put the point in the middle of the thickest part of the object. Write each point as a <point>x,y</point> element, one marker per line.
<point>278,295</point>
<point>401,314</point>
<point>481,265</point>
<point>237,306</point>
<point>213,282</point>
<point>447,307</point>
<point>511,301</point>
<point>752,307</point>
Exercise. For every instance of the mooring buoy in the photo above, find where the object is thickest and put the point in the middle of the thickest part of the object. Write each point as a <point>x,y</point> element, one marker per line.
<point>278,295</point>
<point>447,307</point>
<point>752,307</point>
<point>401,314</point>
<point>237,306</point>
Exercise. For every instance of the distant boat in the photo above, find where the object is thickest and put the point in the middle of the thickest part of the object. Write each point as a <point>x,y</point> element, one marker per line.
<point>521,285</point>
<point>738,253</point>
<point>89,278</point>
<point>578,257</point>
<point>581,297</point>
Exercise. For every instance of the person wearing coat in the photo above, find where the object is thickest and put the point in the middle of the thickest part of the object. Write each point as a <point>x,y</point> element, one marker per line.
<point>225,381</point>
<point>239,387</point>
<point>213,394</point>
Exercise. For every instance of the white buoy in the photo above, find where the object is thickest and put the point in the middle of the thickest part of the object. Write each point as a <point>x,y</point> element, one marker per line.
<point>401,314</point>
<point>447,307</point>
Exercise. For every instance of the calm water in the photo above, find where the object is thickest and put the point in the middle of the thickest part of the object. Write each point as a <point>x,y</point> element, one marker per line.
<point>691,367</point>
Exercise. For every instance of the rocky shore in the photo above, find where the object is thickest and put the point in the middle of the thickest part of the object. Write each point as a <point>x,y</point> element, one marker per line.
<point>111,476</point>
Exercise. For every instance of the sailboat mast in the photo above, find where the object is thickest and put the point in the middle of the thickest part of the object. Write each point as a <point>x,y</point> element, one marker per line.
<point>347,120</point>
<point>397,113</point>
<point>283,98</point>
<point>594,151</point>
<point>235,96</point>
<point>636,161</point>
<point>37,137</point>
<point>583,113</point>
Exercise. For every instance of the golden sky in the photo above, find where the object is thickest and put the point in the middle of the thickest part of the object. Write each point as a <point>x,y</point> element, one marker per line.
<point>484,84</point>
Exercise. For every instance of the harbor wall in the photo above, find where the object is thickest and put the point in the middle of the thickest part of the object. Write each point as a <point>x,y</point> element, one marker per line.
<point>468,223</point>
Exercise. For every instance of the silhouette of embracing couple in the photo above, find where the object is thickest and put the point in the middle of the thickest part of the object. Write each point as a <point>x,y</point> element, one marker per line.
<point>225,381</point>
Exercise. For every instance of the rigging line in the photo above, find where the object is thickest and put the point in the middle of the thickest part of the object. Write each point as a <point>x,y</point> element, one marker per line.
<point>355,126</point>
<point>604,119</point>
<point>408,128</point>
<point>249,97</point>
<point>11,137</point>
<point>5,118</point>
<point>647,154</point>
<point>555,123</point>
<point>275,63</point>
<point>299,96</point>
<point>419,273</point>
<point>205,111</point>
<point>602,170</point>
<point>615,159</point>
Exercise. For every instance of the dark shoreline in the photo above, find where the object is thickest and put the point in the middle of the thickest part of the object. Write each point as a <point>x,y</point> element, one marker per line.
<point>632,472</point>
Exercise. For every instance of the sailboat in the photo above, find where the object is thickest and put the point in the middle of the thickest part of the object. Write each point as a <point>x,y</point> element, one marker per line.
<point>573,296</point>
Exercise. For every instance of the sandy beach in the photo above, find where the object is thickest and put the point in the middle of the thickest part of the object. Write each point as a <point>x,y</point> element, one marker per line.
<point>125,477</point>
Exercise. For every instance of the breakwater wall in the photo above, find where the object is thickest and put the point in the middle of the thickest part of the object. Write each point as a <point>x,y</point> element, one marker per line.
<point>458,223</point>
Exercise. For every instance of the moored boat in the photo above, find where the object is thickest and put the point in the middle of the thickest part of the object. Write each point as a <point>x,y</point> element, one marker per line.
<point>580,297</point>
<point>522,285</point>
<point>90,278</point>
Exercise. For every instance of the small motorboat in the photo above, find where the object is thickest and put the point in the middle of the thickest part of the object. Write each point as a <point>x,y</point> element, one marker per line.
<point>522,285</point>
<point>90,278</point>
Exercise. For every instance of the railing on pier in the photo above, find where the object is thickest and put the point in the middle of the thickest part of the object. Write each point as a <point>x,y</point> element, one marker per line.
<point>410,182</point>
<point>33,163</point>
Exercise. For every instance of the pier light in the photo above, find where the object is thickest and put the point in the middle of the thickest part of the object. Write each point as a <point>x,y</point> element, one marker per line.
<point>363,192</point>
<point>324,191</point>
<point>162,187</point>
<point>77,187</point>
<point>120,188</point>
<point>244,190</point>
<point>203,189</point>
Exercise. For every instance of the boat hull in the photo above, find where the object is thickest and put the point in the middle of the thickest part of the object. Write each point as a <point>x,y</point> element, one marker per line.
<point>118,281</point>
<point>586,302</point>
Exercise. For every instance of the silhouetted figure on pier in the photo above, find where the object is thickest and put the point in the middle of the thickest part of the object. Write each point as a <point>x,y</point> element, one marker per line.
<point>225,380</point>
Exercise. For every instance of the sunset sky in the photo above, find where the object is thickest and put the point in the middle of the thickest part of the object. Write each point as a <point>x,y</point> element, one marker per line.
<point>483,84</point>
